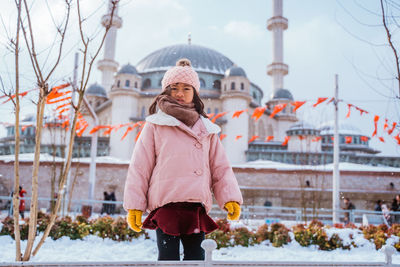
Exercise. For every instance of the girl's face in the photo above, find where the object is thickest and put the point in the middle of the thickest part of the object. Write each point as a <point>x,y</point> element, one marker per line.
<point>182,92</point>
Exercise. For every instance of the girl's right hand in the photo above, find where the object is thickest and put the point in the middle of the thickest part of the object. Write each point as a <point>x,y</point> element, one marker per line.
<point>134,220</point>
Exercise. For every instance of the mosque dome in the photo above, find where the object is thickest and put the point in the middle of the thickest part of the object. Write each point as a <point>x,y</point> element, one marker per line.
<point>96,90</point>
<point>235,71</point>
<point>203,59</point>
<point>128,69</point>
<point>302,128</point>
<point>282,94</point>
<point>345,128</point>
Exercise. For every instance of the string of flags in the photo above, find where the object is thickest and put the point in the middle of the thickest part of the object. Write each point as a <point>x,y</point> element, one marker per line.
<point>60,98</point>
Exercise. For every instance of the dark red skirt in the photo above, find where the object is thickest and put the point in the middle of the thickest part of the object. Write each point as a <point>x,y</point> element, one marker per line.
<point>180,218</point>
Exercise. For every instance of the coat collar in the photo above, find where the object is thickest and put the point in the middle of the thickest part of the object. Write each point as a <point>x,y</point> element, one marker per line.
<point>162,118</point>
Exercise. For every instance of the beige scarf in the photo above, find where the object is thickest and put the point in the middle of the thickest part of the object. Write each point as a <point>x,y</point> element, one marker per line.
<point>186,113</point>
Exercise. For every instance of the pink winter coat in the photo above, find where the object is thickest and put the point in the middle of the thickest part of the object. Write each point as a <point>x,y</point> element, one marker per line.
<point>174,163</point>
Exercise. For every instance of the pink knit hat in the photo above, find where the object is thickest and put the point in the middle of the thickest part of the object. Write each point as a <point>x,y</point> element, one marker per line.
<point>181,73</point>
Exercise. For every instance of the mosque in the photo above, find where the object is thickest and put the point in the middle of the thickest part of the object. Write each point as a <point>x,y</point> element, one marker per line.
<point>125,94</point>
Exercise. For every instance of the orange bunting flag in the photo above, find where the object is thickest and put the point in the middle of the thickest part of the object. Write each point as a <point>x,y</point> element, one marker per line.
<point>316,139</point>
<point>58,100</point>
<point>254,137</point>
<point>381,139</point>
<point>397,137</point>
<point>63,110</point>
<point>348,139</point>
<point>301,137</point>
<point>319,101</point>
<point>140,131</point>
<point>330,100</point>
<point>258,112</point>
<point>386,124</point>
<point>108,131</point>
<point>376,119</point>
<point>236,114</point>
<point>269,138</point>
<point>286,140</point>
<point>65,123</point>
<point>25,126</point>
<point>348,113</point>
<point>210,115</point>
<point>63,106</point>
<point>80,132</point>
<point>332,138</point>
<point>238,137</point>
<point>98,127</point>
<point>361,111</point>
<point>297,104</point>
<point>222,136</point>
<point>364,138</point>
<point>130,128</point>
<point>390,131</point>
<point>219,115</point>
<point>62,86</point>
<point>278,108</point>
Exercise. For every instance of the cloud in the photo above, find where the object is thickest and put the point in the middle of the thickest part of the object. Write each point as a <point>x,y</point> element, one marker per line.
<point>244,30</point>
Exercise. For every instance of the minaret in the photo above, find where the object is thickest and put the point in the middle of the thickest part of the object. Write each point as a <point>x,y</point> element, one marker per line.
<point>108,66</point>
<point>277,24</point>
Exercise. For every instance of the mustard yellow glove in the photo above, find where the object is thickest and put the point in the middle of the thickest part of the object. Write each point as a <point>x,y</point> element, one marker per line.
<point>134,220</point>
<point>233,209</point>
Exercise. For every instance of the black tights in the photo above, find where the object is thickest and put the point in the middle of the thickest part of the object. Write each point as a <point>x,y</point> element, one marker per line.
<point>168,246</point>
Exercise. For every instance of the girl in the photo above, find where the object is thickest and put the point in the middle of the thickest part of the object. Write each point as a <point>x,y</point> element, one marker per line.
<point>177,164</point>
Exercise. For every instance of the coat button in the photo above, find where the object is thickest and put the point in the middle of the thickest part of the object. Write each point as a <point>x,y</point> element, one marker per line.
<point>198,172</point>
<point>198,145</point>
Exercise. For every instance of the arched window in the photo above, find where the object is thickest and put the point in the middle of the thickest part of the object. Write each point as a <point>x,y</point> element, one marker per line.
<point>136,85</point>
<point>146,84</point>
<point>217,84</point>
<point>118,83</point>
<point>202,83</point>
<point>241,86</point>
<point>143,112</point>
<point>232,86</point>
<point>127,83</point>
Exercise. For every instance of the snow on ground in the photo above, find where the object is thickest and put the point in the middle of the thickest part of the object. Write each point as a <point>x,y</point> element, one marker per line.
<point>93,248</point>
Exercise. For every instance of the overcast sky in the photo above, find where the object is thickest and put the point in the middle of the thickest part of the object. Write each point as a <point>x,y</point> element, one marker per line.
<point>324,38</point>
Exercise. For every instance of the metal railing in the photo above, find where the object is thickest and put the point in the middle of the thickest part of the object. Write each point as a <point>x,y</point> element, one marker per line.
<point>269,214</point>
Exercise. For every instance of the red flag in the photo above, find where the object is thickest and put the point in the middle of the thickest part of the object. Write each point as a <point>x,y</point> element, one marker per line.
<point>361,111</point>
<point>237,114</point>
<point>254,137</point>
<point>397,137</point>
<point>65,123</point>
<point>316,139</point>
<point>364,138</point>
<point>210,115</point>
<point>130,128</point>
<point>390,131</point>
<point>269,138</point>
<point>319,101</point>
<point>297,104</point>
<point>108,131</point>
<point>330,100</point>
<point>332,138</point>
<point>238,137</point>
<point>376,119</point>
<point>140,131</point>
<point>348,113</point>
<point>222,136</point>
<point>286,140</point>
<point>278,108</point>
<point>348,139</point>
<point>386,124</point>
<point>219,115</point>
<point>80,132</point>
<point>258,112</point>
<point>58,100</point>
<point>382,140</point>
<point>302,137</point>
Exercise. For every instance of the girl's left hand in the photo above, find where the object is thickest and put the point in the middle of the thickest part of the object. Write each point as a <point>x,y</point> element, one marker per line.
<point>233,209</point>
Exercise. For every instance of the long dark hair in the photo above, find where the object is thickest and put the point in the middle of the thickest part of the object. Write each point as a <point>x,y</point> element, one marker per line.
<point>198,103</point>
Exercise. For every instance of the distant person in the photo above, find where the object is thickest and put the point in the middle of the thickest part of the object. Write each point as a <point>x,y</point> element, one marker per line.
<point>112,205</point>
<point>348,205</point>
<point>378,205</point>
<point>22,193</point>
<point>386,214</point>
<point>396,208</point>
<point>105,208</point>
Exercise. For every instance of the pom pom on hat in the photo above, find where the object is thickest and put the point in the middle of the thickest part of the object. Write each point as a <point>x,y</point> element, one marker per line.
<point>181,73</point>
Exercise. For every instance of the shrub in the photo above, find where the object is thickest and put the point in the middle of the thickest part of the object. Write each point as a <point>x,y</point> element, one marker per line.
<point>281,237</point>
<point>302,235</point>
<point>102,227</point>
<point>221,238</point>
<point>376,234</point>
<point>223,225</point>
<point>8,228</point>
<point>242,236</point>
<point>262,233</point>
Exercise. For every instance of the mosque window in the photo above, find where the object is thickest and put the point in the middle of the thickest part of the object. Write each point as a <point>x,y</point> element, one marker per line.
<point>241,86</point>
<point>208,110</point>
<point>254,95</point>
<point>127,83</point>
<point>146,84</point>
<point>232,86</point>
<point>202,83</point>
<point>136,85</point>
<point>217,84</point>
<point>216,111</point>
<point>143,112</point>
<point>118,83</point>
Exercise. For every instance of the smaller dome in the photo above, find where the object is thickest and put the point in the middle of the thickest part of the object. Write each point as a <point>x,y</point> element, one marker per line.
<point>282,94</point>
<point>302,125</point>
<point>29,118</point>
<point>235,71</point>
<point>128,69</point>
<point>96,90</point>
<point>345,128</point>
